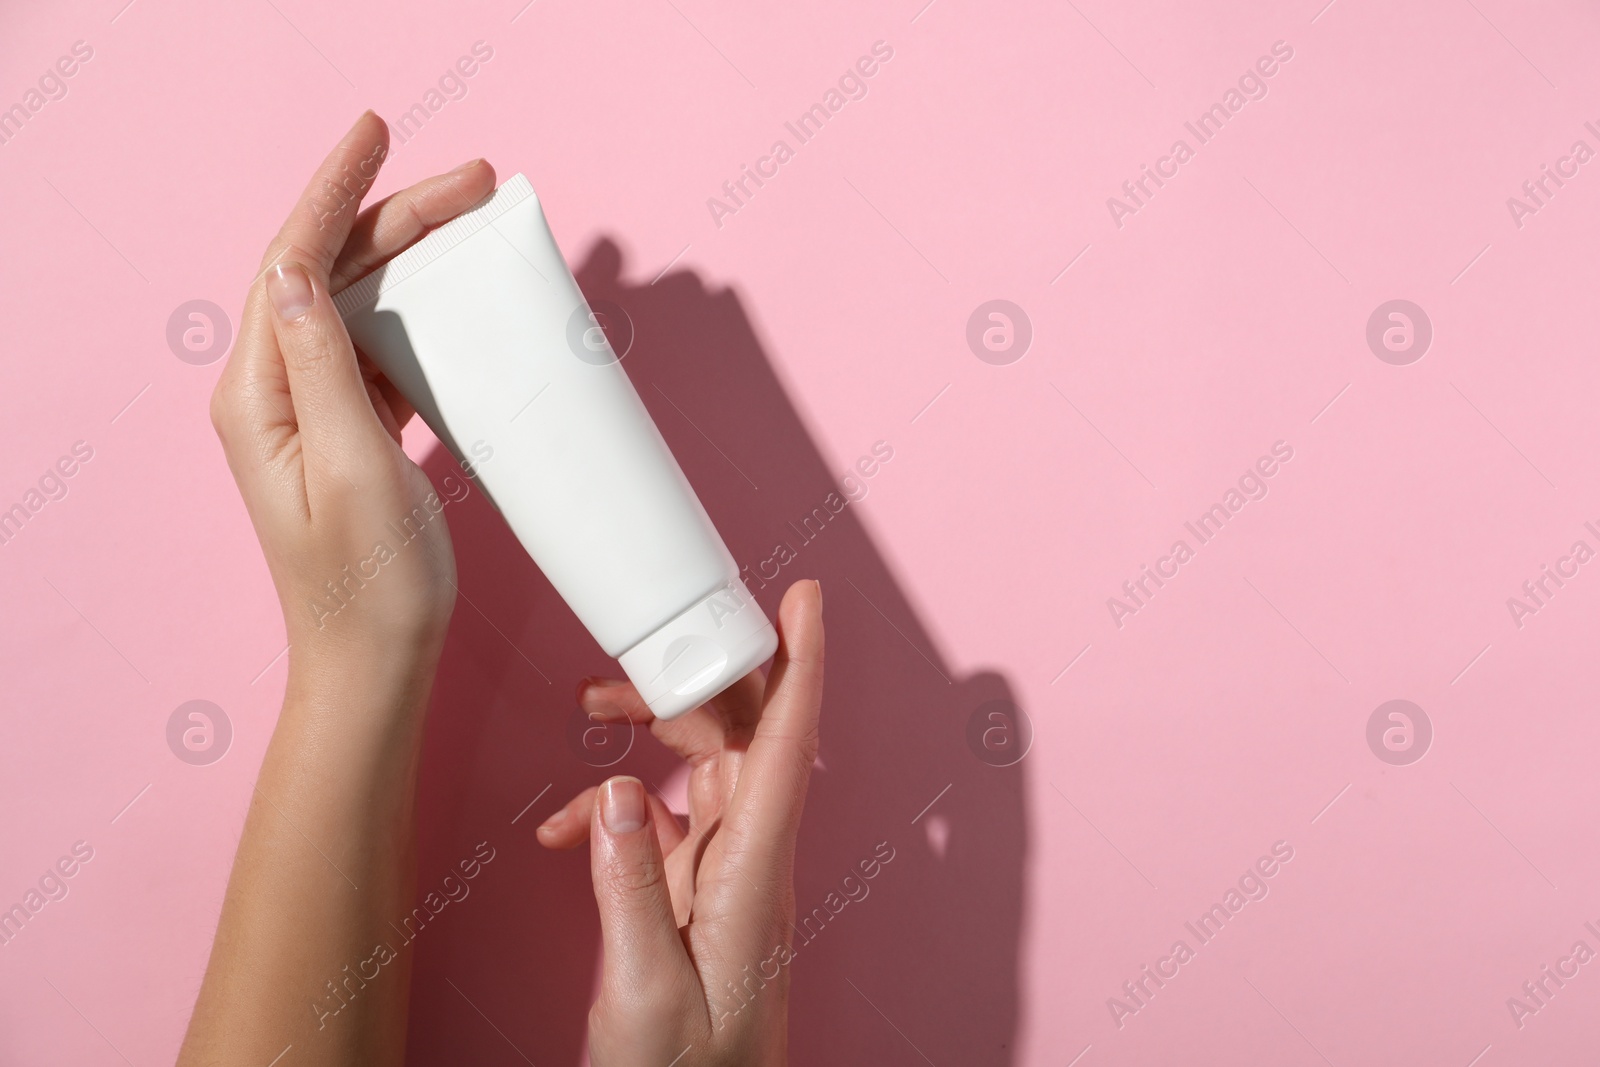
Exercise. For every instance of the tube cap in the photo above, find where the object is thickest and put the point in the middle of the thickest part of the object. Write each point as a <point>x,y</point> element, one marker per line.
<point>701,652</point>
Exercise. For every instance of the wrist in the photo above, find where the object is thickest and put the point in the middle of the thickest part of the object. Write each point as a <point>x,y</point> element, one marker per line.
<point>355,681</point>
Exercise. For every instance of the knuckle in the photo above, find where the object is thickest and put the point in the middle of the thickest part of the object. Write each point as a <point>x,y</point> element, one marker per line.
<point>284,249</point>
<point>413,216</point>
<point>639,876</point>
<point>315,355</point>
<point>310,356</point>
<point>808,742</point>
<point>800,745</point>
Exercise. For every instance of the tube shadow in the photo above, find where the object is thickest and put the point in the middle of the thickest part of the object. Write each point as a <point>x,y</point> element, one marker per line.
<point>921,959</point>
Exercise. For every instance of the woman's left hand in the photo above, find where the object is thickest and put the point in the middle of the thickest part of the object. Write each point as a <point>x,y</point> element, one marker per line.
<point>697,921</point>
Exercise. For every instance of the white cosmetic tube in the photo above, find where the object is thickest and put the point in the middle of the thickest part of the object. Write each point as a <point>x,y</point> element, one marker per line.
<point>484,330</point>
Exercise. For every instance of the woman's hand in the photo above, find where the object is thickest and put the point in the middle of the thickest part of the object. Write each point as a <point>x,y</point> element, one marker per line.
<point>697,923</point>
<point>352,530</point>
<point>360,555</point>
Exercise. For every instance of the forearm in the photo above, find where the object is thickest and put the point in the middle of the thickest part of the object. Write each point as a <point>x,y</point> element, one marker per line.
<point>325,865</point>
<point>305,953</point>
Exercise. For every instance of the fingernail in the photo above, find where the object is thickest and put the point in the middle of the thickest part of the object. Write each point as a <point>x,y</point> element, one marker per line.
<point>622,807</point>
<point>818,584</point>
<point>289,289</point>
<point>593,682</point>
<point>596,687</point>
<point>468,165</point>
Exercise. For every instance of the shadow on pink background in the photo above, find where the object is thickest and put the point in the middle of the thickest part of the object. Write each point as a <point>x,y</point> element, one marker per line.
<point>1173,347</point>
<point>510,733</point>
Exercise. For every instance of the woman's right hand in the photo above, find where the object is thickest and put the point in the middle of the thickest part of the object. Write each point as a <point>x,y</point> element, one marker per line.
<point>346,520</point>
<point>697,922</point>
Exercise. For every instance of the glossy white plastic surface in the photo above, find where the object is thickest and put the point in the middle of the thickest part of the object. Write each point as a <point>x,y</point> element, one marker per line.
<point>484,330</point>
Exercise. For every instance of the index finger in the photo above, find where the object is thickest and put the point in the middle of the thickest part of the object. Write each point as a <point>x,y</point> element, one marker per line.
<point>763,816</point>
<point>316,230</point>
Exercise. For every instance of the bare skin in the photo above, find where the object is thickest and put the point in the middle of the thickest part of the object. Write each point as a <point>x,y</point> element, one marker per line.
<point>326,863</point>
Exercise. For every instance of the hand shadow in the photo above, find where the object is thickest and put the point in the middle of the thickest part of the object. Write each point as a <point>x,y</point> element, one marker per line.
<point>918,963</point>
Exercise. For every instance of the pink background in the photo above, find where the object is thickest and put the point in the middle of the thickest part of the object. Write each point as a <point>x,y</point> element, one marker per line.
<point>1229,313</point>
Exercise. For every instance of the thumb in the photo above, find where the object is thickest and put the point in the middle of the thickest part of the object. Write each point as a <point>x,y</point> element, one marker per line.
<point>644,952</point>
<point>331,406</point>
